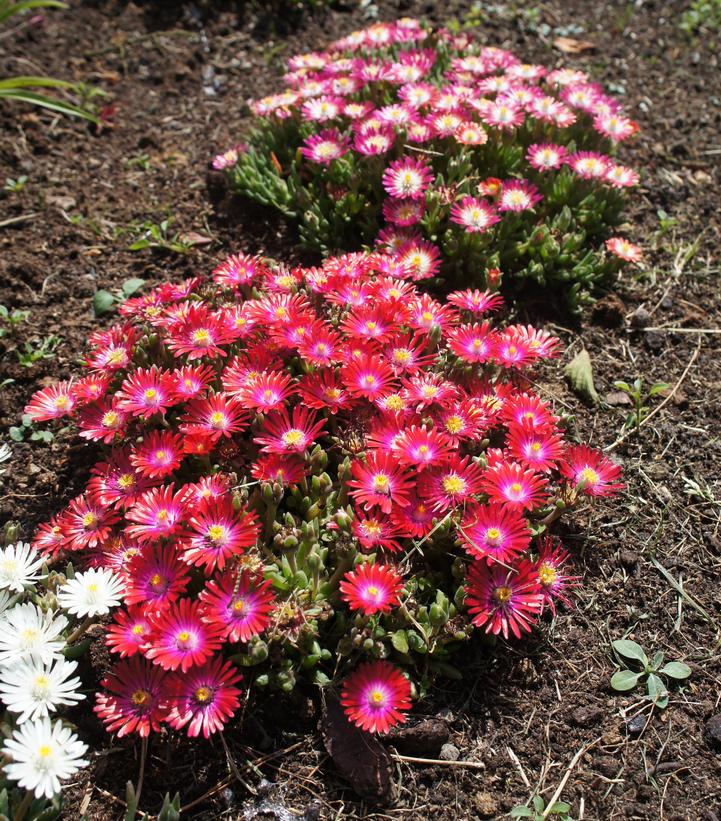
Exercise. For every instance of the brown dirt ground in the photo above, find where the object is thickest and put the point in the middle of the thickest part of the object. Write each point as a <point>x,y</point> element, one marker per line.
<point>178,75</point>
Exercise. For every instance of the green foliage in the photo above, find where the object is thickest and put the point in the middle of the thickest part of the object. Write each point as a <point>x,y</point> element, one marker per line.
<point>10,320</point>
<point>25,430</point>
<point>157,235</point>
<point>640,398</point>
<point>539,812</point>
<point>635,667</point>
<point>33,351</point>
<point>23,88</point>
<point>702,15</point>
<point>170,811</point>
<point>15,186</point>
<point>106,301</point>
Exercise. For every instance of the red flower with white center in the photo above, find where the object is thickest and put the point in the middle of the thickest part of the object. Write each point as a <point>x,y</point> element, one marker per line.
<point>215,416</point>
<point>113,356</point>
<point>384,433</point>
<point>478,302</point>
<point>597,472</point>
<point>374,143</point>
<point>407,178</point>
<point>539,341</point>
<point>191,380</point>
<point>326,146</point>
<point>375,695</point>
<point>444,124</point>
<point>102,421</point>
<point>205,698</point>
<point>451,485</point>
<point>502,601</point>
<point>324,391</point>
<point>404,353</point>
<point>415,519</point>
<point>158,514</point>
<point>145,392</point>
<point>513,351</point>
<point>322,109</point>
<point>494,533</point>
<point>129,633</point>
<point>502,115</point>
<point>391,290</point>
<point>372,588</point>
<point>518,195</point>
<point>460,421</point>
<point>285,469</point>
<point>370,322</point>
<point>539,449</point>
<point>379,482</point>
<point>552,576</point>
<point>422,259</point>
<point>473,343</point>
<point>514,485</point>
<point>238,604</point>
<point>545,156</point>
<point>180,639</point>
<point>621,248</point>
<point>51,536</point>
<point>52,402</point>
<point>198,333</point>
<point>137,701</point>
<point>159,454</point>
<point>155,578</point>
<point>425,314</point>
<point>219,533</point>
<point>589,165</point>
<point>404,212</point>
<point>619,176</point>
<point>369,376</point>
<point>376,530</point>
<point>116,483</point>
<point>321,345</point>
<point>279,309</point>
<point>239,269</point>
<point>265,392</point>
<point>428,389</point>
<point>86,523</point>
<point>470,133</point>
<point>91,388</point>
<point>474,215</point>
<point>206,490</point>
<point>420,447</point>
<point>283,433</point>
<point>527,408</point>
<point>615,127</point>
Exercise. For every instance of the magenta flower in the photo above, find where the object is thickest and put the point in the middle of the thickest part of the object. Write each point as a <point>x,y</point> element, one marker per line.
<point>180,639</point>
<point>474,215</point>
<point>372,588</point>
<point>325,147</point>
<point>137,698</point>
<point>375,695</point>
<point>238,605</point>
<point>407,178</point>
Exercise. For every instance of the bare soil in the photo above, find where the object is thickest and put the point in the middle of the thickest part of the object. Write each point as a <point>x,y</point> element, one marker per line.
<point>178,75</point>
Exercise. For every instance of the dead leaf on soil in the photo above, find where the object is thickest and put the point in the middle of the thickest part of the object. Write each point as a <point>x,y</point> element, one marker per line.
<point>361,759</point>
<point>616,398</point>
<point>194,238</point>
<point>568,45</point>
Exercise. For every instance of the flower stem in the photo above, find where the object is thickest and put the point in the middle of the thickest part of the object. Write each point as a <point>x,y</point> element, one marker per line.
<point>23,806</point>
<point>79,630</point>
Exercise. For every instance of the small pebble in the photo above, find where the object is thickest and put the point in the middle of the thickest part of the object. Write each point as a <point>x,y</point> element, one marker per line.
<point>713,728</point>
<point>449,752</point>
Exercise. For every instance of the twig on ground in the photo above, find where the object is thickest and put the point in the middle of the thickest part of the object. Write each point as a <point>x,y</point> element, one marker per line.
<point>559,789</point>
<point>411,759</point>
<point>514,759</point>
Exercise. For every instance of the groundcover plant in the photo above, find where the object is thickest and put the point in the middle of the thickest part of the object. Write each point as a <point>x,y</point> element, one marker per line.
<point>460,156</point>
<point>315,475</point>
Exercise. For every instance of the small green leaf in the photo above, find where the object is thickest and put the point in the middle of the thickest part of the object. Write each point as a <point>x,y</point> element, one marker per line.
<point>521,812</point>
<point>624,680</point>
<point>103,302</point>
<point>132,286</point>
<point>630,650</point>
<point>657,690</point>
<point>560,807</point>
<point>399,640</point>
<point>16,433</point>
<point>676,669</point>
<point>580,376</point>
<point>140,244</point>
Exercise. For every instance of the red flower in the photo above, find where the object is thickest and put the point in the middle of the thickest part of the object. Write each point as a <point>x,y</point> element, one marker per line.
<point>156,578</point>
<point>495,533</point>
<point>369,376</point>
<point>101,421</point>
<point>376,530</point>
<point>286,469</point>
<point>86,523</point>
<point>137,701</point>
<point>501,600</point>
<point>158,514</point>
<point>145,392</point>
<point>515,486</point>
<point>283,434</point>
<point>129,633</point>
<point>180,639</point>
<point>219,533</point>
<point>374,696</point>
<point>238,604</point>
<point>372,588</point>
<point>473,343</point>
<point>451,485</point>
<point>540,450</point>
<point>598,473</point>
<point>116,483</point>
<point>52,402</point>
<point>421,447</point>
<point>159,454</point>
<point>215,416</point>
<point>379,482</point>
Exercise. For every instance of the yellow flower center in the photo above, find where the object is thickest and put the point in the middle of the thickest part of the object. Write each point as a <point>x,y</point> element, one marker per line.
<point>162,515</point>
<point>376,698</point>
<point>516,488</point>
<point>333,393</point>
<point>589,476</point>
<point>110,419</point>
<point>89,519</point>
<point>503,594</point>
<point>201,337</point>
<point>493,534</point>
<point>216,533</point>
<point>140,697</point>
<point>373,591</point>
<point>293,437</point>
<point>239,605</point>
<point>156,580</point>
<point>126,480</point>
<point>394,402</point>
<point>45,751</point>
<point>137,630</point>
<point>161,455</point>
<point>535,447</point>
<point>61,402</point>
<point>454,484</point>
<point>151,393</point>
<point>203,694</point>
<point>454,424</point>
<point>402,356</point>
<point>380,482</point>
<point>218,419</point>
<point>547,574</point>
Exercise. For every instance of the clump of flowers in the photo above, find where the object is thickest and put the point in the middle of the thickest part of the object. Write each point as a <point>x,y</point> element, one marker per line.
<point>457,155</point>
<point>306,475</point>
<point>43,617</point>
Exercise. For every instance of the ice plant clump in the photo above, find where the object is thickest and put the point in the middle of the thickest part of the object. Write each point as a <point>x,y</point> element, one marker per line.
<point>338,470</point>
<point>407,139</point>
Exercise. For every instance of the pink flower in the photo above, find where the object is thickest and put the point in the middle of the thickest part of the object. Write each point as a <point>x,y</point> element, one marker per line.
<point>145,392</point>
<point>86,523</point>
<point>155,578</point>
<point>375,695</point>
<point>101,421</point>
<point>623,249</point>
<point>129,633</point>
<point>372,588</point>
<point>157,514</point>
<point>589,165</point>
<point>159,454</point>
<point>452,485</point>
<point>204,698</point>
<point>379,482</point>
<point>478,302</point>
<point>472,343</point>
<point>51,403</point>
<point>216,416</point>
<point>511,484</point>
<point>325,146</point>
<point>474,215</point>
<point>407,178</point>
<point>502,601</point>
<point>239,605</point>
<point>596,473</point>
<point>180,639</point>
<point>545,156</point>
<point>137,701</point>
<point>283,433</point>
<point>218,534</point>
<point>495,533</point>
<point>420,447</point>
<point>518,195</point>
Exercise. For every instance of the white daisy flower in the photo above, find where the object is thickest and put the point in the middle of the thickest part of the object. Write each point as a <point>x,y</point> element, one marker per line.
<point>42,753</point>
<point>19,564</point>
<point>5,598</point>
<point>91,593</point>
<point>34,689</point>
<point>26,632</point>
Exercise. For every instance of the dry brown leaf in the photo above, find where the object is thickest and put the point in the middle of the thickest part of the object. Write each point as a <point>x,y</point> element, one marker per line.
<point>568,45</point>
